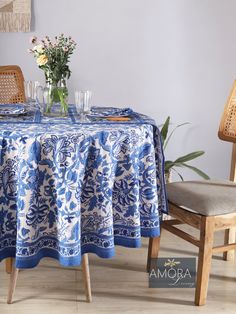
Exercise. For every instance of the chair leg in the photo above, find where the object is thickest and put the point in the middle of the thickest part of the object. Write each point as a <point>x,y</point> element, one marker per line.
<point>153,250</point>
<point>86,274</point>
<point>8,263</point>
<point>229,238</point>
<point>204,259</point>
<point>12,284</point>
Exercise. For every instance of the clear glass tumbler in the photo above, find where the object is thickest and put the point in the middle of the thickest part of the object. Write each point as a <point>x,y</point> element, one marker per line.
<point>83,102</point>
<point>31,91</point>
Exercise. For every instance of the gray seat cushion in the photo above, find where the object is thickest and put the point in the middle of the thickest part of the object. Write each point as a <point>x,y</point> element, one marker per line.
<point>207,198</point>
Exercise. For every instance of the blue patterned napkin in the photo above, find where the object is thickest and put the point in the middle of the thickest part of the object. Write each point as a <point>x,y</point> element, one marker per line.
<point>11,109</point>
<point>110,111</point>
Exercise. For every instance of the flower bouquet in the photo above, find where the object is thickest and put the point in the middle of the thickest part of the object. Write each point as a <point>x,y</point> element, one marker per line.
<point>53,58</point>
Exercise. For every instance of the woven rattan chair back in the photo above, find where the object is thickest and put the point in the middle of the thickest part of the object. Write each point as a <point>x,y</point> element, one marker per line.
<point>11,85</point>
<point>227,129</point>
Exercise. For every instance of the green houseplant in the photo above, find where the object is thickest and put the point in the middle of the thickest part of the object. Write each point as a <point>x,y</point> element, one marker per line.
<point>181,162</point>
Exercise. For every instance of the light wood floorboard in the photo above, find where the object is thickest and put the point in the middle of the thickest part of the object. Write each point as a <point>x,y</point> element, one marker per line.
<point>119,285</point>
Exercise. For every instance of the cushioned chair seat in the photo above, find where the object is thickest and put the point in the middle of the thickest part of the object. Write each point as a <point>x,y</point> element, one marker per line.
<point>207,198</point>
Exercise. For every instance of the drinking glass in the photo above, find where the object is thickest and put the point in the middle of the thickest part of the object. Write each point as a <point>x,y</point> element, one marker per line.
<point>31,91</point>
<point>83,102</point>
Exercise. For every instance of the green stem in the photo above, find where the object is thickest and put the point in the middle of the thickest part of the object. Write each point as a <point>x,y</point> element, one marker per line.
<point>62,96</point>
<point>49,102</point>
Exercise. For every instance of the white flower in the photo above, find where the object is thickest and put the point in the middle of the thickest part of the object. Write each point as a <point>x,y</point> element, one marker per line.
<point>38,49</point>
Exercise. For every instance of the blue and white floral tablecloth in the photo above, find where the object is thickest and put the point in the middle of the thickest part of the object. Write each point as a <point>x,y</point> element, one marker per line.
<point>69,188</point>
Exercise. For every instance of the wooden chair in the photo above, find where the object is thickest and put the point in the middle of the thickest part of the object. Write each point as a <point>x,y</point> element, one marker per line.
<point>11,85</point>
<point>208,206</point>
<point>86,275</point>
<point>11,91</point>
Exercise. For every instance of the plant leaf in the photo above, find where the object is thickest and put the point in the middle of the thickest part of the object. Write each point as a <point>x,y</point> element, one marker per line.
<point>190,156</point>
<point>198,171</point>
<point>181,177</point>
<point>168,165</point>
<point>164,129</point>
<point>169,137</point>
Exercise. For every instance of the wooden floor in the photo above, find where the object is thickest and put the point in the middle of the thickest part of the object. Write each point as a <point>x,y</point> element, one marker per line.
<point>119,285</point>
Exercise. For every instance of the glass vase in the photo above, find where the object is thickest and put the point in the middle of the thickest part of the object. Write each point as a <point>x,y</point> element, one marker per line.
<point>56,99</point>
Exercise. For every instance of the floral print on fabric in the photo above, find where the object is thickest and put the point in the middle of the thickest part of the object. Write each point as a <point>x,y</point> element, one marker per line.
<point>67,189</point>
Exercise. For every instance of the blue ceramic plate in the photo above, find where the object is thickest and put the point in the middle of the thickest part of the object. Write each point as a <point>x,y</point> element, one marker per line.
<point>12,109</point>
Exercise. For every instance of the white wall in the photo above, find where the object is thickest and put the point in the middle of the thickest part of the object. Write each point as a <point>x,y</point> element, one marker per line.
<point>161,57</point>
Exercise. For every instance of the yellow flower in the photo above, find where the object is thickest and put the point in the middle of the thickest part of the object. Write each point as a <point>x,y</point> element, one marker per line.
<point>42,60</point>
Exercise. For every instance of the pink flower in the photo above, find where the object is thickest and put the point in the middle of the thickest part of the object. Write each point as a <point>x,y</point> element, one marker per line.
<point>33,40</point>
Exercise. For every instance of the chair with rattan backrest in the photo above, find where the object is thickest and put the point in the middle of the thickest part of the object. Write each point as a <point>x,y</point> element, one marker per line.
<point>11,91</point>
<point>208,206</point>
<point>227,129</point>
<point>11,85</point>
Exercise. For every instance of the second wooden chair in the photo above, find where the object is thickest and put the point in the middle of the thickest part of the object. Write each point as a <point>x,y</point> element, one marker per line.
<point>208,206</point>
